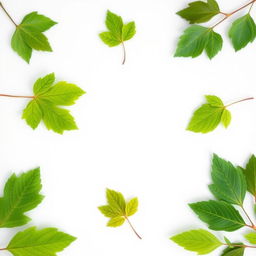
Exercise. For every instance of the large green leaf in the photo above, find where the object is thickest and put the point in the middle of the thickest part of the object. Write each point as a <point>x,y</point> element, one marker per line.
<point>251,237</point>
<point>199,11</point>
<point>208,116</point>
<point>229,183</point>
<point>45,242</point>
<point>29,35</point>
<point>196,39</point>
<point>242,32</point>
<point>21,194</point>
<point>218,215</point>
<point>46,101</point>
<point>200,241</point>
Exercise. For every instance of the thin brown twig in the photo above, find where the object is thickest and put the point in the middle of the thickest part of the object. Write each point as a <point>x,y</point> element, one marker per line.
<point>233,103</point>
<point>9,16</point>
<point>133,228</point>
<point>16,96</point>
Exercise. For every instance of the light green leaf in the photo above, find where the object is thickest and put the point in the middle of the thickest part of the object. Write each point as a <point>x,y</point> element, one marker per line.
<point>226,118</point>
<point>118,32</point>
<point>45,242</point>
<point>28,35</point>
<point>242,32</point>
<point>235,251</point>
<point>251,238</point>
<point>199,11</point>
<point>108,211</point>
<point>250,175</point>
<point>218,215</point>
<point>116,222</point>
<point>21,194</point>
<point>200,241</point>
<point>196,39</point>
<point>128,31</point>
<point>132,207</point>
<point>116,201</point>
<point>45,104</point>
<point>207,117</point>
<point>229,183</point>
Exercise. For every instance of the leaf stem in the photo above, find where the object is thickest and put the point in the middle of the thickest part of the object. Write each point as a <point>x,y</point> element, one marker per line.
<point>240,245</point>
<point>227,15</point>
<point>247,215</point>
<point>133,227</point>
<point>9,16</point>
<point>250,98</point>
<point>15,96</point>
<point>124,53</point>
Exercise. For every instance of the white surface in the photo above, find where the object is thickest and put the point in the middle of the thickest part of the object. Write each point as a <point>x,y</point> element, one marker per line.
<point>132,122</point>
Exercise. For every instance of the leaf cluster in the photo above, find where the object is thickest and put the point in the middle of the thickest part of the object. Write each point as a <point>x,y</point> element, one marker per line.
<point>229,186</point>
<point>197,38</point>
<point>46,102</point>
<point>22,194</point>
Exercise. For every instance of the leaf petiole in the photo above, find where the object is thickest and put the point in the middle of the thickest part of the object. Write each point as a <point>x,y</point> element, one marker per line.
<point>124,53</point>
<point>240,245</point>
<point>233,103</point>
<point>133,228</point>
<point>9,16</point>
<point>16,96</point>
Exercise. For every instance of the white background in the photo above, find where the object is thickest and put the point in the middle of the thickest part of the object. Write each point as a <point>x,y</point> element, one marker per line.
<point>132,122</point>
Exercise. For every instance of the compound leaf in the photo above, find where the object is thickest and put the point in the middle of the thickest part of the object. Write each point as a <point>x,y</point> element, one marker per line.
<point>199,11</point>
<point>229,183</point>
<point>218,215</point>
<point>29,35</point>
<point>21,194</point>
<point>44,242</point>
<point>200,241</point>
<point>46,101</point>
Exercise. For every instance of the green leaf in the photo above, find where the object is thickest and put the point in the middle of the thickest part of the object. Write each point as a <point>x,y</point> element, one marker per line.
<point>118,31</point>
<point>229,183</point>
<point>251,238</point>
<point>118,210</point>
<point>116,222</point>
<point>45,104</point>
<point>218,215</point>
<point>226,118</point>
<point>235,251</point>
<point>28,35</point>
<point>200,241</point>
<point>214,45</point>
<point>242,32</point>
<point>132,207</point>
<point>21,194</point>
<point>208,116</point>
<point>196,39</point>
<point>45,242</point>
<point>128,31</point>
<point>250,175</point>
<point>200,12</point>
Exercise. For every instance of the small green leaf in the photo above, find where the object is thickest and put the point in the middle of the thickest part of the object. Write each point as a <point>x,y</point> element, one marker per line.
<point>251,238</point>
<point>218,215</point>
<point>118,210</point>
<point>207,117</point>
<point>234,251</point>
<point>200,241</point>
<point>132,207</point>
<point>229,183</point>
<point>196,39</point>
<point>28,35</point>
<point>242,32</point>
<point>128,31</point>
<point>118,31</point>
<point>250,175</point>
<point>21,194</point>
<point>226,118</point>
<point>47,242</point>
<point>199,11</point>
<point>116,222</point>
<point>45,104</point>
